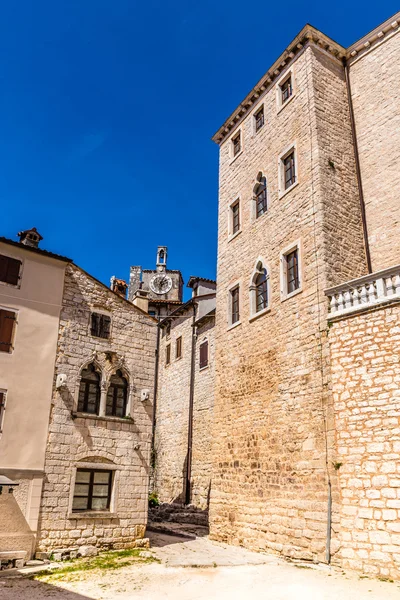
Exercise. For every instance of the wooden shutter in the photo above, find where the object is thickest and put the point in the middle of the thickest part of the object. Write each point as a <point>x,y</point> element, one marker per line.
<point>203,354</point>
<point>9,269</point>
<point>7,321</point>
<point>95,325</point>
<point>105,323</point>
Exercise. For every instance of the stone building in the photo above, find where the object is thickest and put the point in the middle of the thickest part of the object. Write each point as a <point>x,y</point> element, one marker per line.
<point>308,199</point>
<point>185,399</point>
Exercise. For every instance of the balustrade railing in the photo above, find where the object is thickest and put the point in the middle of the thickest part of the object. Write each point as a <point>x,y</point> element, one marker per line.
<point>365,291</point>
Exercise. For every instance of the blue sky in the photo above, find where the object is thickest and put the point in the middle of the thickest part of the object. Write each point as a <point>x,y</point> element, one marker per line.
<point>107,110</point>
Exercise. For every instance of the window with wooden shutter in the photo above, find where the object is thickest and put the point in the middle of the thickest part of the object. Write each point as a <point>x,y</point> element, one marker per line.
<point>235,316</point>
<point>9,269</point>
<point>204,354</point>
<point>2,408</point>
<point>100,325</point>
<point>168,354</point>
<point>178,347</point>
<point>7,324</point>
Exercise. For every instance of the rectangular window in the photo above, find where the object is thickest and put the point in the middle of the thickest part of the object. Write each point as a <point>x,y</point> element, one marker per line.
<point>92,490</point>
<point>168,354</point>
<point>2,409</point>
<point>286,89</point>
<point>9,269</point>
<point>292,271</point>
<point>168,330</point>
<point>7,324</point>
<point>259,118</point>
<point>236,144</point>
<point>235,315</point>
<point>235,216</point>
<point>178,347</point>
<point>203,354</point>
<point>289,173</point>
<point>100,325</point>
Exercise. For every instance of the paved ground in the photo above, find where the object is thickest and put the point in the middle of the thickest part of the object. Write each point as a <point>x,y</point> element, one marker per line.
<point>231,573</point>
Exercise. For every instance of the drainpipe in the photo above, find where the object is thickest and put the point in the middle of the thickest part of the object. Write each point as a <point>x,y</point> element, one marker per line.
<point>357,161</point>
<point>329,524</point>
<point>153,429</point>
<point>190,423</point>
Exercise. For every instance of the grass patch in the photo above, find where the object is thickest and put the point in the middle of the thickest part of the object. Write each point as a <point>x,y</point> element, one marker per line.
<point>105,561</point>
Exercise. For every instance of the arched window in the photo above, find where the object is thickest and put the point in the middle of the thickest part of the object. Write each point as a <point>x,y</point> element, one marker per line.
<point>259,289</point>
<point>260,195</point>
<point>117,396</point>
<point>89,391</point>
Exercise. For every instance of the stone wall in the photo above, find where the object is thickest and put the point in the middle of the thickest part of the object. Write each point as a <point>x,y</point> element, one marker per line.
<point>365,351</point>
<point>374,80</point>
<point>273,427</point>
<point>171,439</point>
<point>78,440</point>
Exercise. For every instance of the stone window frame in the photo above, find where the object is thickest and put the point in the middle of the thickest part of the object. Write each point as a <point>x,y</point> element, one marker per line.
<point>252,290</point>
<point>167,354</point>
<point>100,311</point>
<point>112,511</point>
<point>15,328</point>
<point>232,286</point>
<point>256,131</point>
<point>232,156</point>
<point>261,174</point>
<point>104,385</point>
<point>231,235</point>
<point>281,173</point>
<point>21,270</point>
<point>3,405</point>
<point>278,89</point>
<point>283,269</point>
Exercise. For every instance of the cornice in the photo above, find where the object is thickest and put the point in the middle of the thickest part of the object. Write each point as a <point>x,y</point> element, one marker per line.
<point>373,38</point>
<point>306,35</point>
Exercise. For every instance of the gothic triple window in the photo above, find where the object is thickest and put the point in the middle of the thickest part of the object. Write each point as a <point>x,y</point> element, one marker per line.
<point>117,396</point>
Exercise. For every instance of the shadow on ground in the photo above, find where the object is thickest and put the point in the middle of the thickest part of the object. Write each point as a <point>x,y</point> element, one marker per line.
<point>21,588</point>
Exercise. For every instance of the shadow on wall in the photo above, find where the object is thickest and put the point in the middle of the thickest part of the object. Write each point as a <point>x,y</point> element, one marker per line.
<point>13,588</point>
<point>15,533</point>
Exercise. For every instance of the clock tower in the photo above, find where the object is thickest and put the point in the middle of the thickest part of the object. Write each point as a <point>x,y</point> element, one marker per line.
<point>162,286</point>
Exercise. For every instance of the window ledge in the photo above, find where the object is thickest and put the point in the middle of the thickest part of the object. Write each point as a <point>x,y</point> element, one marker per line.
<point>282,106</point>
<point>81,415</point>
<point>260,314</point>
<point>92,514</point>
<point>232,236</point>
<point>235,157</point>
<point>289,189</point>
<point>206,367</point>
<point>287,296</point>
<point>234,325</point>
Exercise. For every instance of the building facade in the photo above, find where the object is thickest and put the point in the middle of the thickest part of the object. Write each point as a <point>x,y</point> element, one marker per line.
<point>302,204</point>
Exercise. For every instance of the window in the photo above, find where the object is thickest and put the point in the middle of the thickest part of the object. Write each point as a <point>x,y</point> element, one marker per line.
<point>7,324</point>
<point>236,144</point>
<point>286,89</point>
<point>168,354</point>
<point>89,391</point>
<point>178,352</point>
<point>289,170</point>
<point>292,271</point>
<point>235,217</point>
<point>235,315</point>
<point>203,354</point>
<point>2,408</point>
<point>152,313</point>
<point>9,269</point>
<point>92,490</point>
<point>259,289</point>
<point>260,195</point>
<point>117,396</point>
<point>168,331</point>
<point>100,325</point>
<point>259,118</point>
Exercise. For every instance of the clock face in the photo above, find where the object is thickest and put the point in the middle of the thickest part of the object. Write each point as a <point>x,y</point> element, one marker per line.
<point>161,284</point>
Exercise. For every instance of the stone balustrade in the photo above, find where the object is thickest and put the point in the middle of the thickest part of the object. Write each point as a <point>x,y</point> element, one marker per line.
<point>364,292</point>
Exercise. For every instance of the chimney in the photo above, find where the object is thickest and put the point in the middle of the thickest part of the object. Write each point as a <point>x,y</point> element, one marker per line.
<point>134,282</point>
<point>141,300</point>
<point>30,237</point>
<point>119,286</point>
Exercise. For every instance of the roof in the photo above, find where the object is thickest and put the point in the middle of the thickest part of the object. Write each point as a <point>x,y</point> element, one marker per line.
<point>161,301</point>
<point>36,250</point>
<point>308,34</point>
<point>193,279</point>
<point>185,306</point>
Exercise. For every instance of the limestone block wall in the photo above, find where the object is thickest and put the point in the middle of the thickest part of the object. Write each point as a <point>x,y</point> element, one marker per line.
<point>365,354</point>
<point>75,440</point>
<point>172,418</point>
<point>273,430</point>
<point>374,77</point>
